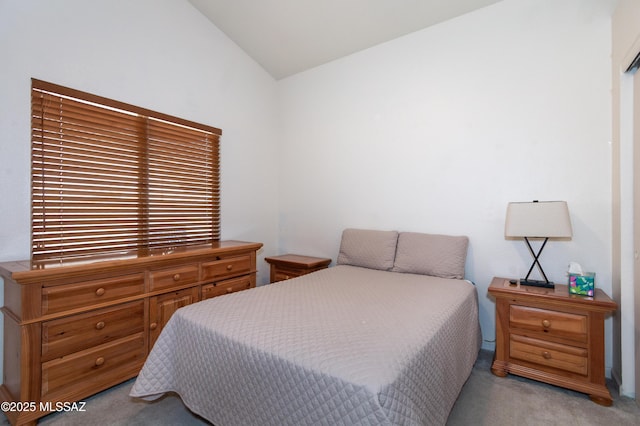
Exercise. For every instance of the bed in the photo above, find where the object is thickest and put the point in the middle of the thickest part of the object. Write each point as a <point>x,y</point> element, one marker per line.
<point>388,336</point>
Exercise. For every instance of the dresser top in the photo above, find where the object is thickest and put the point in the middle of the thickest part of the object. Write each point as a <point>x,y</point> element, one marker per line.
<point>28,270</point>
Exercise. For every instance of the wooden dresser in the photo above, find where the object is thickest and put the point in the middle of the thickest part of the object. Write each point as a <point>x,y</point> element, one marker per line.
<point>74,329</point>
<point>552,336</point>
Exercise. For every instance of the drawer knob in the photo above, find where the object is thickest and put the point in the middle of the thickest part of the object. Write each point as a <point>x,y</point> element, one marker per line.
<point>546,355</point>
<point>546,323</point>
<point>229,290</point>
<point>286,277</point>
<point>100,291</point>
<point>99,361</point>
<point>153,326</point>
<point>100,325</point>
<point>229,267</point>
<point>176,277</point>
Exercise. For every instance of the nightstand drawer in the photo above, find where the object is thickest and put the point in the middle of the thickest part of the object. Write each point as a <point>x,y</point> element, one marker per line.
<point>555,355</point>
<point>281,274</point>
<point>559,324</point>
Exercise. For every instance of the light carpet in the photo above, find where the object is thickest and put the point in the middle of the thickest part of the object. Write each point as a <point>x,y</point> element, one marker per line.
<point>484,400</point>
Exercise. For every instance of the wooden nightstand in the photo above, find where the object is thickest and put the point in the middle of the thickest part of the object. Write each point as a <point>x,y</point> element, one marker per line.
<point>288,266</point>
<point>552,336</point>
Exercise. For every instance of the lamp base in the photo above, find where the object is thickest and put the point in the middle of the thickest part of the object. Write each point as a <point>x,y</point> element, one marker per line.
<point>537,283</point>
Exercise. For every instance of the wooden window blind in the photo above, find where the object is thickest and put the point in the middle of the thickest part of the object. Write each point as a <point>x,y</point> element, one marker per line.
<point>111,178</point>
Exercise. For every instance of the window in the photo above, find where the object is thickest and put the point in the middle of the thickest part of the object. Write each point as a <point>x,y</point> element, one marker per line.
<point>111,178</point>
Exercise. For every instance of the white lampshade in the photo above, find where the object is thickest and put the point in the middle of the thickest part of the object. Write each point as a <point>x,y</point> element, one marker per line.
<point>543,219</point>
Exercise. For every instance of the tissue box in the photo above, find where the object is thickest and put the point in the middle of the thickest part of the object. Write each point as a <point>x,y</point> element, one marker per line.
<point>582,284</point>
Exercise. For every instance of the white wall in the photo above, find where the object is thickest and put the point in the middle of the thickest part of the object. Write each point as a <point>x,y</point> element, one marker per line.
<point>158,54</point>
<point>437,131</point>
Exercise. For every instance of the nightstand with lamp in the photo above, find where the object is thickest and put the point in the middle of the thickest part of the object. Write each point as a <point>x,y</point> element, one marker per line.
<point>542,331</point>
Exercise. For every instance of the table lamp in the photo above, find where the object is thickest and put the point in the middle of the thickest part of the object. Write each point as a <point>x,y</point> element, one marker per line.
<point>537,219</point>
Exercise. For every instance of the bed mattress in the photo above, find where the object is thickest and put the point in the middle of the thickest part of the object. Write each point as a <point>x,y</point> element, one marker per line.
<point>345,345</point>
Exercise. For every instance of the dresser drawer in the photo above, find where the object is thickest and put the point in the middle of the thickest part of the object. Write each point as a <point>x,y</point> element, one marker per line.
<point>227,286</point>
<point>87,293</point>
<point>87,372</point>
<point>554,323</point>
<point>549,354</point>
<point>78,332</point>
<point>225,267</point>
<point>172,277</point>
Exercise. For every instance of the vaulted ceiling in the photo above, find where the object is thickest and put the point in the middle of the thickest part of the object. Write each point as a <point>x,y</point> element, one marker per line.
<point>290,36</point>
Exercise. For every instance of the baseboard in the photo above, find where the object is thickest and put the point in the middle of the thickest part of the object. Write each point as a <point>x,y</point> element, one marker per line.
<point>616,380</point>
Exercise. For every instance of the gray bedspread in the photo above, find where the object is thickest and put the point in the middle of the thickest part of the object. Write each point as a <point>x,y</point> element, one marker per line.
<point>342,346</point>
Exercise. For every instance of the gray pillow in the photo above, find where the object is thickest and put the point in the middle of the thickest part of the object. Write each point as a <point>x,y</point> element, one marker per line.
<point>368,248</point>
<point>431,254</point>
